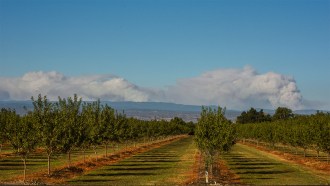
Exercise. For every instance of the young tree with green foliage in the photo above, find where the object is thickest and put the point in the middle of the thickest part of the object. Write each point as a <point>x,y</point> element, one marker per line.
<point>48,124</point>
<point>214,134</point>
<point>107,121</point>
<point>6,116</point>
<point>23,137</point>
<point>122,128</point>
<point>68,111</point>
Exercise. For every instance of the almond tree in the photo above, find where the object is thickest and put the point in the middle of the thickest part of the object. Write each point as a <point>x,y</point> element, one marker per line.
<point>68,111</point>
<point>91,118</point>
<point>214,134</point>
<point>5,121</point>
<point>23,137</point>
<point>48,125</point>
<point>107,130</point>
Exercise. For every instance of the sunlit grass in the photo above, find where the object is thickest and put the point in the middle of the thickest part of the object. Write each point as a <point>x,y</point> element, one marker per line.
<point>165,165</point>
<point>256,167</point>
<point>11,165</point>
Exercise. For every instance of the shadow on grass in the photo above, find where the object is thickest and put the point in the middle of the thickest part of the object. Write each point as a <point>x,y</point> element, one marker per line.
<point>10,160</point>
<point>132,165</point>
<point>137,169</point>
<point>90,181</point>
<point>114,174</point>
<point>264,172</point>
<point>253,163</point>
<point>154,161</point>
<point>11,168</point>
<point>17,164</point>
<point>153,156</point>
<point>250,168</point>
<point>11,164</point>
<point>267,178</point>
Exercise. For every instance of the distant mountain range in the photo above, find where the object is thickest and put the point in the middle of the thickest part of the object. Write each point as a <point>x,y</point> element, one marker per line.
<point>150,110</point>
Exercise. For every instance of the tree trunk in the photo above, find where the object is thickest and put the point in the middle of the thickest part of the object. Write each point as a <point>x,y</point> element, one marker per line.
<point>206,177</point>
<point>318,154</point>
<point>211,170</point>
<point>69,158</point>
<point>211,167</point>
<point>106,150</point>
<point>94,148</point>
<point>48,162</point>
<point>0,147</point>
<point>304,153</point>
<point>24,162</point>
<point>328,158</point>
<point>84,153</point>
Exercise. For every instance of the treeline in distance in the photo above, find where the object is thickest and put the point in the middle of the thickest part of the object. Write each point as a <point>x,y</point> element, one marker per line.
<point>304,131</point>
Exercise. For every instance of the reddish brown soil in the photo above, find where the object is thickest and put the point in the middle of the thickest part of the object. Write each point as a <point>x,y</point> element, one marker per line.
<point>61,174</point>
<point>193,174</point>
<point>308,162</point>
<point>226,175</point>
<point>222,175</point>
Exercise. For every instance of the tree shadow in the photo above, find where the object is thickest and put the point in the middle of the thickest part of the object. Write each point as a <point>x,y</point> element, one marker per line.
<point>153,156</point>
<point>90,181</point>
<point>265,172</point>
<point>114,174</point>
<point>124,164</point>
<point>11,168</point>
<point>254,163</point>
<point>10,160</point>
<point>154,161</point>
<point>252,168</point>
<point>11,164</point>
<point>137,168</point>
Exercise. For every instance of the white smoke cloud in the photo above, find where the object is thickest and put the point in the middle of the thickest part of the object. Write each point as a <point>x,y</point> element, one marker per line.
<point>233,88</point>
<point>54,84</point>
<point>238,88</point>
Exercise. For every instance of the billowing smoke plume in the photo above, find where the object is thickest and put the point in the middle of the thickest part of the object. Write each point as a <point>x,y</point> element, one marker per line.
<point>54,84</point>
<point>238,88</point>
<point>233,88</point>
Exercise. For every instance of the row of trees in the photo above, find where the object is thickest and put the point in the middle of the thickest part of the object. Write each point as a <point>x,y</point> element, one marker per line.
<point>67,124</point>
<point>214,134</point>
<point>299,131</point>
<point>254,116</point>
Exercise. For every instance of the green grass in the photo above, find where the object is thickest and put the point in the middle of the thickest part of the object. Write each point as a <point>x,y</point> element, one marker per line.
<point>12,166</point>
<point>165,165</point>
<point>261,168</point>
<point>310,153</point>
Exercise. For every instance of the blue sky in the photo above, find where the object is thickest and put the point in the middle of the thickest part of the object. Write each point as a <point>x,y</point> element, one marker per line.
<point>156,43</point>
